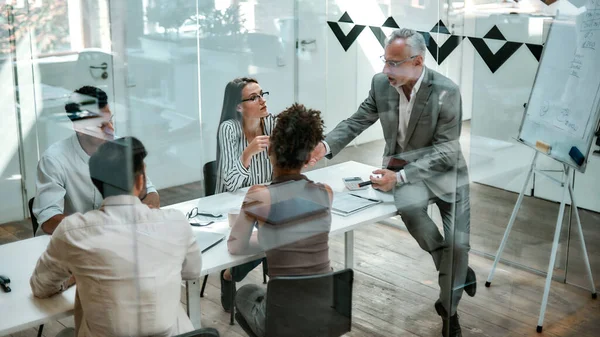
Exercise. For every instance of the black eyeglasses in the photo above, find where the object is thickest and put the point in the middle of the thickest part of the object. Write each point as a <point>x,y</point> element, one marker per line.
<point>254,98</point>
<point>194,213</point>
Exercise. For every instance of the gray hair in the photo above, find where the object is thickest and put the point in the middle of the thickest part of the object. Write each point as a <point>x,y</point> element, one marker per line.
<point>413,39</point>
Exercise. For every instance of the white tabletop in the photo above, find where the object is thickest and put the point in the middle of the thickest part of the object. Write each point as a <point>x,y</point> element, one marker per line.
<point>19,310</point>
<point>217,258</point>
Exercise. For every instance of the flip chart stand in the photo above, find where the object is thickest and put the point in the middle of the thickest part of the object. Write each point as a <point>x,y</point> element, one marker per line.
<point>567,188</point>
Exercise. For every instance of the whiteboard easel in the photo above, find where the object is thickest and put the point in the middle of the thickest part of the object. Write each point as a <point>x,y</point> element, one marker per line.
<point>563,111</point>
<point>565,183</point>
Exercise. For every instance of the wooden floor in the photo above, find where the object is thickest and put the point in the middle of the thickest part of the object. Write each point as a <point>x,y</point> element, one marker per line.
<point>396,284</point>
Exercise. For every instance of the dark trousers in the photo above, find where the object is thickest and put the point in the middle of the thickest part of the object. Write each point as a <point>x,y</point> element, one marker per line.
<point>238,273</point>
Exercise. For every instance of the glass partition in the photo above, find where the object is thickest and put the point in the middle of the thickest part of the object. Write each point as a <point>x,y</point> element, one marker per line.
<point>204,86</point>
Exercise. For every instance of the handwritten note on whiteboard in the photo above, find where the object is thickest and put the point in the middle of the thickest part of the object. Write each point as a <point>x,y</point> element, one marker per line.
<point>564,105</point>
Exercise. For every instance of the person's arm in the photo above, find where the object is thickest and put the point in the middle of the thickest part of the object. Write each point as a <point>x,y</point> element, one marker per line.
<point>51,274</point>
<point>152,199</point>
<point>51,224</point>
<point>233,171</point>
<point>242,240</point>
<point>192,264</point>
<point>444,154</point>
<point>48,205</point>
<point>347,130</point>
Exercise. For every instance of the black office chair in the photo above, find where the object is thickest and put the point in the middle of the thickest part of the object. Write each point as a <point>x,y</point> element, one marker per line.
<point>34,226</point>
<point>210,177</point>
<point>210,171</point>
<point>205,332</point>
<point>34,223</point>
<point>319,306</point>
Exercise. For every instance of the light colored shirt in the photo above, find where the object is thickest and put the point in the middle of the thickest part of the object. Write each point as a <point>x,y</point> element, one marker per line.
<point>405,107</point>
<point>63,182</point>
<point>128,261</point>
<point>232,174</point>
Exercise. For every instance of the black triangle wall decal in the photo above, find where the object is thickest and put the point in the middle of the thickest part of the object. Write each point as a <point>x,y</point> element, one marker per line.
<point>379,35</point>
<point>495,34</point>
<point>440,27</point>
<point>439,54</point>
<point>345,18</point>
<point>536,50</point>
<point>494,61</point>
<point>390,23</point>
<point>345,40</point>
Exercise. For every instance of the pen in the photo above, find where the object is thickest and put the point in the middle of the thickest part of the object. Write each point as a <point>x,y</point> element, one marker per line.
<point>365,183</point>
<point>358,196</point>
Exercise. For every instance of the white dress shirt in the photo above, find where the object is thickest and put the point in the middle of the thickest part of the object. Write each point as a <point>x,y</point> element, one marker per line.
<point>63,182</point>
<point>405,107</point>
<point>128,261</point>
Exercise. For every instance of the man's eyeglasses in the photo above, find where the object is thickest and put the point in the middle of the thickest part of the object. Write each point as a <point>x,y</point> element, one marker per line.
<point>394,64</point>
<point>254,98</point>
<point>194,213</point>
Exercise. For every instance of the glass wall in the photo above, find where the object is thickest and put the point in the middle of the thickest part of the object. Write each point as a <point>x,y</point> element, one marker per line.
<point>165,64</point>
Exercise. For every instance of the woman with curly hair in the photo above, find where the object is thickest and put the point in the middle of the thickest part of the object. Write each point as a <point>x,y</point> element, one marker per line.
<point>296,247</point>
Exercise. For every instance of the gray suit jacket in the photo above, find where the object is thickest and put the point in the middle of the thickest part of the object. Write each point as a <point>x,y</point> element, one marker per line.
<point>432,142</point>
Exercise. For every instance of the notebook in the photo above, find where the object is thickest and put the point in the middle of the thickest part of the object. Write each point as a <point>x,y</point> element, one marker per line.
<point>207,240</point>
<point>286,211</point>
<point>349,203</point>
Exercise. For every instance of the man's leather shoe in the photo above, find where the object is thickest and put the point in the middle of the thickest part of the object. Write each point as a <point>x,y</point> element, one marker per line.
<point>450,326</point>
<point>470,282</point>
<point>227,293</point>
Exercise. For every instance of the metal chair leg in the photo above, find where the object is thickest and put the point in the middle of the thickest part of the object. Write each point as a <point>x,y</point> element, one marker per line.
<point>264,266</point>
<point>232,302</point>
<point>203,286</point>
<point>40,329</point>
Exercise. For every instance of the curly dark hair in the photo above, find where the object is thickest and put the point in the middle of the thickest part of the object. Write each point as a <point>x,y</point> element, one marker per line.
<point>297,132</point>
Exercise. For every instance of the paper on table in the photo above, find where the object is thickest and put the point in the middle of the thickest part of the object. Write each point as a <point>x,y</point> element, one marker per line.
<point>348,203</point>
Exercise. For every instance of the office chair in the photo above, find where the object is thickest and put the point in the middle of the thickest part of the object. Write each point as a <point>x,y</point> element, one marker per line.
<point>34,226</point>
<point>204,332</point>
<point>210,177</point>
<point>317,305</point>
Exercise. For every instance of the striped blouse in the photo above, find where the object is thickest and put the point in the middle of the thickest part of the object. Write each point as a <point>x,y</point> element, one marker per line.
<point>232,174</point>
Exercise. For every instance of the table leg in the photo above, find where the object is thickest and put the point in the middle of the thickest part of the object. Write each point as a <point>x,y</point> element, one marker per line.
<point>349,248</point>
<point>193,302</point>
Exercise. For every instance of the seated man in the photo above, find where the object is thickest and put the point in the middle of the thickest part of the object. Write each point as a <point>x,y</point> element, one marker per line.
<point>63,183</point>
<point>128,260</point>
<point>300,245</point>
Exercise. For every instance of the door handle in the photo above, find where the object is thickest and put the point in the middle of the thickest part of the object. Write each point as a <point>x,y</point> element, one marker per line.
<point>102,66</point>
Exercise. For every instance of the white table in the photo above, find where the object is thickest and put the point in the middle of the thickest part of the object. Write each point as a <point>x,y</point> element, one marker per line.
<point>19,310</point>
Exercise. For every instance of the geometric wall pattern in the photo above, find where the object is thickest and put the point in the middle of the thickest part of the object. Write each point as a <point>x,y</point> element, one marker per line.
<point>439,53</point>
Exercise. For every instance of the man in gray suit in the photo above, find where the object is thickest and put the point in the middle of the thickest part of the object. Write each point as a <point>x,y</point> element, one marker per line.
<point>421,114</point>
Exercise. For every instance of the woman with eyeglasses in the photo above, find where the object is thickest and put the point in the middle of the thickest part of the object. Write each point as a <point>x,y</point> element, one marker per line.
<point>243,136</point>
<point>242,158</point>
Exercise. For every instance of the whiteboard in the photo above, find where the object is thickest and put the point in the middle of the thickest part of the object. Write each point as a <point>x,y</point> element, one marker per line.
<point>564,105</point>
